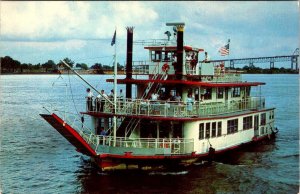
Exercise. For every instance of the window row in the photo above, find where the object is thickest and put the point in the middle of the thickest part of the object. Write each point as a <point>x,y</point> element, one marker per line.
<point>213,129</point>
<point>235,92</point>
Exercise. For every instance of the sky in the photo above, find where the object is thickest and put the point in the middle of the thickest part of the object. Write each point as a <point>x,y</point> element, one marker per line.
<point>35,32</point>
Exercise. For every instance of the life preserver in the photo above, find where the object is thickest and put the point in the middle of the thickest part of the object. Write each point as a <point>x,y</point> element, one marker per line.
<point>165,67</point>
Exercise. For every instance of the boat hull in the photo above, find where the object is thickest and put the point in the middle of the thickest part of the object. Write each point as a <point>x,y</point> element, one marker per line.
<point>108,162</point>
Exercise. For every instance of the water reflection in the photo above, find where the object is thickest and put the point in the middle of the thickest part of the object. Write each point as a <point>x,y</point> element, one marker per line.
<point>230,173</point>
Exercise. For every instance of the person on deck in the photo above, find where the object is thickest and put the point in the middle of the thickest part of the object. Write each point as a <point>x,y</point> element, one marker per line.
<point>89,99</point>
<point>111,94</point>
<point>207,58</point>
<point>177,98</point>
<point>102,100</point>
<point>103,132</point>
<point>189,103</point>
<point>121,98</point>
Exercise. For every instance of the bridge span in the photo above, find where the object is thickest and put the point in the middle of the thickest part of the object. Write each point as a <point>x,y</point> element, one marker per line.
<point>251,61</point>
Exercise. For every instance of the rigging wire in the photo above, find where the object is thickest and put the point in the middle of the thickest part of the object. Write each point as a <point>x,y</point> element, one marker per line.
<point>72,94</point>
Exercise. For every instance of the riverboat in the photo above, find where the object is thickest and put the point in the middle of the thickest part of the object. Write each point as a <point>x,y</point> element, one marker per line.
<point>183,110</point>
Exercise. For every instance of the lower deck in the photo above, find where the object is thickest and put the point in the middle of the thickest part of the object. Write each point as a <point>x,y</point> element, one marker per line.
<point>144,137</point>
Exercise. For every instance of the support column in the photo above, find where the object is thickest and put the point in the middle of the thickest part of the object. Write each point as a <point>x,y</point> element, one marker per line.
<point>294,60</point>
<point>271,64</point>
<point>231,65</point>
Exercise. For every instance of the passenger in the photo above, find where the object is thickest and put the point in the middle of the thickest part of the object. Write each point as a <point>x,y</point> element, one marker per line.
<point>170,97</point>
<point>188,57</point>
<point>194,61</point>
<point>121,95</point>
<point>161,95</point>
<point>89,99</point>
<point>202,98</point>
<point>103,132</point>
<point>207,58</point>
<point>102,99</point>
<point>121,98</point>
<point>111,94</point>
<point>189,102</point>
<point>98,102</point>
<point>177,98</point>
<point>154,96</point>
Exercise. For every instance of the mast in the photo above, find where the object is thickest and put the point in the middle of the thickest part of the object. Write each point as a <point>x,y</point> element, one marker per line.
<point>115,90</point>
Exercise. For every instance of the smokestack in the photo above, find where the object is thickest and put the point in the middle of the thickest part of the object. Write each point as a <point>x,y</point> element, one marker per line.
<point>129,60</point>
<point>179,68</point>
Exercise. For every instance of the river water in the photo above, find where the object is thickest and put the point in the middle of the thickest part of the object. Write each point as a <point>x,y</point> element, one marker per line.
<point>35,158</point>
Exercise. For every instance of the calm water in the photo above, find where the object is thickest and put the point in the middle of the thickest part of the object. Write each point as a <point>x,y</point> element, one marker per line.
<point>35,158</point>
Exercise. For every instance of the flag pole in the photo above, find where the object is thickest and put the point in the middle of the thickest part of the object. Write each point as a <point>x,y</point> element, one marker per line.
<point>115,90</point>
<point>228,53</point>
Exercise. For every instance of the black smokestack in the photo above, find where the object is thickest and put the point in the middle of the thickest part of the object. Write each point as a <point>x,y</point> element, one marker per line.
<point>129,60</point>
<point>179,52</point>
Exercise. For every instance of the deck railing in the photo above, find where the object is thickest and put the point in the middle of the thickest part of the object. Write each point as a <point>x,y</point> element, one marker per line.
<point>175,145</point>
<point>148,67</point>
<point>174,109</point>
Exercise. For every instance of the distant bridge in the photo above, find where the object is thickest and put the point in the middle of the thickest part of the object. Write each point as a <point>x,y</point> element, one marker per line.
<point>251,61</point>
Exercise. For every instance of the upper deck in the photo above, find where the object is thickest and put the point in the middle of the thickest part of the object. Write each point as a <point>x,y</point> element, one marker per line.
<point>162,60</point>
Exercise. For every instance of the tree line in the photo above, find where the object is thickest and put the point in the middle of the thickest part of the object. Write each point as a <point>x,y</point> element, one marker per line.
<point>257,70</point>
<point>10,65</point>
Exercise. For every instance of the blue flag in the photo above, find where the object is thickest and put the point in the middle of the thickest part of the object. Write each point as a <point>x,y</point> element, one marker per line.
<point>113,41</point>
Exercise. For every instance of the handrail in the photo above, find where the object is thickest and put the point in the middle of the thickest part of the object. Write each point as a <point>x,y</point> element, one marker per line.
<point>182,110</point>
<point>175,145</point>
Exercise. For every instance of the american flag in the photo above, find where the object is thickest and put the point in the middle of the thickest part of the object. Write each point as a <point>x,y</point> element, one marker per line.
<point>224,50</point>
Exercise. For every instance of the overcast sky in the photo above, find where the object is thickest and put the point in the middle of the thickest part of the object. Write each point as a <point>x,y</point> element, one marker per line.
<point>34,32</point>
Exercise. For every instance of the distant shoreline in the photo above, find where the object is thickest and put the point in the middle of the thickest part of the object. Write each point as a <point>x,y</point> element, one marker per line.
<point>111,73</point>
<point>63,73</point>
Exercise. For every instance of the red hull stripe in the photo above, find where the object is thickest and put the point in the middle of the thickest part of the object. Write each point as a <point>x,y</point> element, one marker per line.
<point>187,48</point>
<point>182,82</point>
<point>161,118</point>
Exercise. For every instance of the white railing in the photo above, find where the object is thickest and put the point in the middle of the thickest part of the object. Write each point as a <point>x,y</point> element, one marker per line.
<point>175,145</point>
<point>230,77</point>
<point>174,109</point>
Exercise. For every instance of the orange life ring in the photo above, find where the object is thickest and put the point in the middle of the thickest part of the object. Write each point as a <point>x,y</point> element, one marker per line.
<point>165,67</point>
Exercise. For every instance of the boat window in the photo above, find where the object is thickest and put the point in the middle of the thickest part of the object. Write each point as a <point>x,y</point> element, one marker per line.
<point>156,55</point>
<point>256,122</point>
<point>262,130</point>
<point>219,128</point>
<point>220,92</point>
<point>207,94</point>
<point>247,122</point>
<point>232,126</point>
<point>213,129</point>
<point>207,131</point>
<point>201,131</point>
<point>236,92</point>
<point>166,56</point>
<point>248,89</point>
<point>263,119</point>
